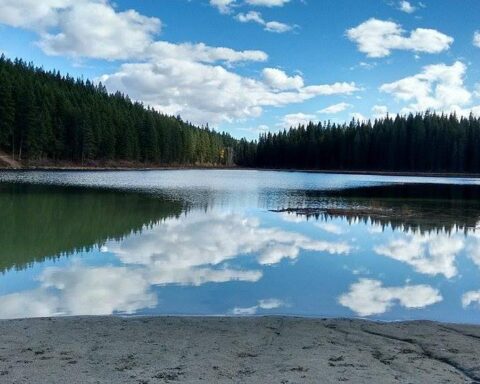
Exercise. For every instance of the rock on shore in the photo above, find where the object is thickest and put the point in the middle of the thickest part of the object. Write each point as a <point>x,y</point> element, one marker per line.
<point>236,350</point>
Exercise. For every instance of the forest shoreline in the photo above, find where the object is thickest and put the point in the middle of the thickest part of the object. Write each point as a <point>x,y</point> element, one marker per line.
<point>141,167</point>
<point>235,349</point>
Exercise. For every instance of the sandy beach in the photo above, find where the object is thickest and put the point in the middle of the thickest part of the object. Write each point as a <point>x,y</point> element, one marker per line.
<point>236,350</point>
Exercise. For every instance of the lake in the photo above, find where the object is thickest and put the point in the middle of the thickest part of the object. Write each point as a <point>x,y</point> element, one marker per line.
<point>238,243</point>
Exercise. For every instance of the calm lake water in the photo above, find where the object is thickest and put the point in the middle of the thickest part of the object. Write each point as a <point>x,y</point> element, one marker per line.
<point>239,243</point>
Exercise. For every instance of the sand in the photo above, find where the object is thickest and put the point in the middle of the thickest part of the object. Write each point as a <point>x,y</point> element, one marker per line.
<point>236,350</point>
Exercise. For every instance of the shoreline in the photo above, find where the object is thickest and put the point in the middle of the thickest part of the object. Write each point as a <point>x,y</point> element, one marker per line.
<point>235,349</point>
<point>235,168</point>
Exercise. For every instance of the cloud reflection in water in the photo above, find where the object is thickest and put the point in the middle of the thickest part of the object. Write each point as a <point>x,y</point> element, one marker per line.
<point>192,250</point>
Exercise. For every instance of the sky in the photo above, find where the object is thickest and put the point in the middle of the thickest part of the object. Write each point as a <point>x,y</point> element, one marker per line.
<point>252,66</point>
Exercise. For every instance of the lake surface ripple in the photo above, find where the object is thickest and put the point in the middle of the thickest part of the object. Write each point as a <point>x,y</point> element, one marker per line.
<point>231,242</point>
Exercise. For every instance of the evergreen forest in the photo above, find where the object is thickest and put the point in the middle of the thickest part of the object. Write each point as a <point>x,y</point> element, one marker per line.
<point>424,142</point>
<point>47,116</point>
<point>44,115</point>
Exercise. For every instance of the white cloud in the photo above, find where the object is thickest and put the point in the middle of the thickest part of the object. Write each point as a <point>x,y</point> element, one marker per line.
<point>431,254</point>
<point>476,91</point>
<point>188,79</point>
<point>251,16</point>
<point>32,14</point>
<point>278,79</point>
<point>296,119</point>
<point>358,116</point>
<point>406,7</point>
<point>268,3</point>
<point>470,298</point>
<point>205,93</point>
<point>266,304</point>
<point>277,27</point>
<point>438,87</point>
<point>201,52</point>
<point>224,6</point>
<point>377,38</point>
<point>379,111</point>
<point>368,297</point>
<point>335,108</point>
<point>96,30</point>
<point>270,26</point>
<point>84,28</point>
<point>476,39</point>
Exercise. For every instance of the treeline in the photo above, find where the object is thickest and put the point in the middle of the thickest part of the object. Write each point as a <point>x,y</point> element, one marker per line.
<point>47,116</point>
<point>44,115</point>
<point>425,142</point>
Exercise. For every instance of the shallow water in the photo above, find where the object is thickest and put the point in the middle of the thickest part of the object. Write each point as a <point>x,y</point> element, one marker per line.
<point>239,243</point>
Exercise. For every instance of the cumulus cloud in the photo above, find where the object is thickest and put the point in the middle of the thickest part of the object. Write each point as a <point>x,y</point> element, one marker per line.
<point>471,297</point>
<point>251,16</point>
<point>210,93</point>
<point>268,3</point>
<point>270,26</point>
<point>84,28</point>
<point>32,14</point>
<point>96,30</point>
<point>335,108</point>
<point>476,39</point>
<point>476,91</point>
<point>406,7</point>
<point>438,87</point>
<point>192,79</point>
<point>296,119</point>
<point>224,6</point>
<point>430,254</point>
<point>277,27</point>
<point>358,116</point>
<point>278,79</point>
<point>377,38</point>
<point>368,297</point>
<point>266,304</point>
<point>201,52</point>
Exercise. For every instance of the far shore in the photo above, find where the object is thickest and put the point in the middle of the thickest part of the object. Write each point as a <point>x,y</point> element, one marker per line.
<point>141,167</point>
<point>236,350</point>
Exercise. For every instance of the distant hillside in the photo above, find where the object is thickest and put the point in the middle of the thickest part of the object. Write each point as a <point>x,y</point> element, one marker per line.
<point>47,116</point>
<point>425,142</point>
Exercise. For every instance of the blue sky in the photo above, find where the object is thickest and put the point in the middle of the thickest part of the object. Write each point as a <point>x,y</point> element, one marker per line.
<point>246,66</point>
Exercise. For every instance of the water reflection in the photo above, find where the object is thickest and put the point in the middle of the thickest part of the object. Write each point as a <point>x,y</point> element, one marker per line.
<point>368,297</point>
<point>406,207</point>
<point>212,238</point>
<point>191,250</point>
<point>265,305</point>
<point>429,253</point>
<point>38,222</point>
<point>84,251</point>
